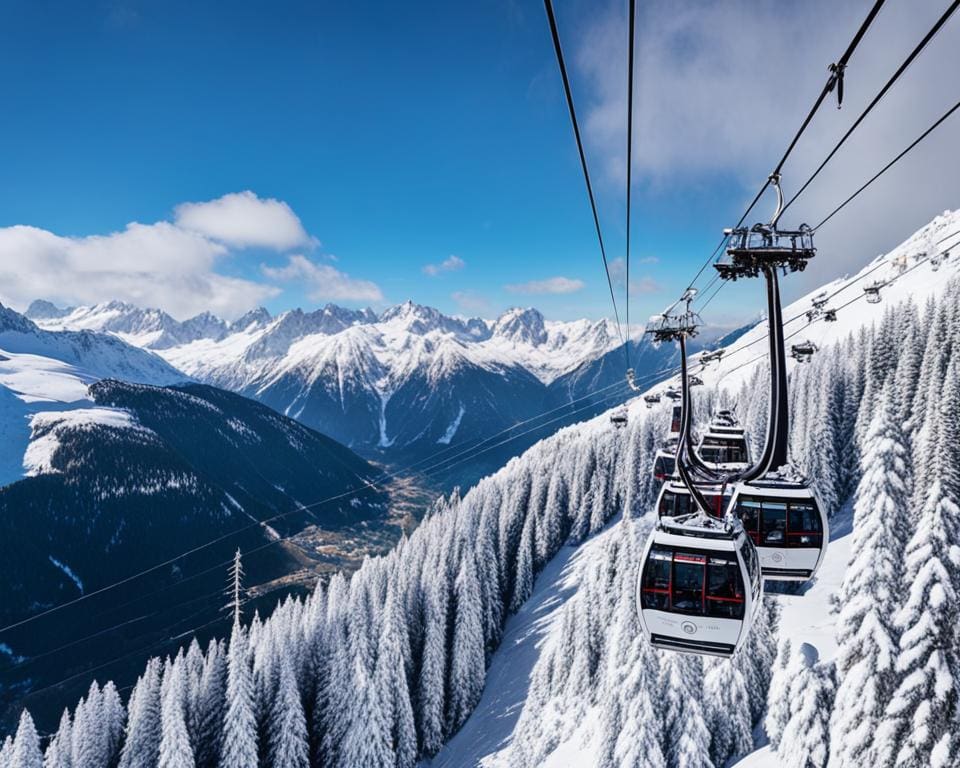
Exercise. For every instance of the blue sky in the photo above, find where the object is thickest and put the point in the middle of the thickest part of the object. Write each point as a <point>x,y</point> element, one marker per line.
<point>396,136</point>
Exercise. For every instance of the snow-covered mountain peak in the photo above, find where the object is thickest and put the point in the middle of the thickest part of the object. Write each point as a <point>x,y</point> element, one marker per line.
<point>421,320</point>
<point>10,320</point>
<point>255,318</point>
<point>46,310</point>
<point>526,326</point>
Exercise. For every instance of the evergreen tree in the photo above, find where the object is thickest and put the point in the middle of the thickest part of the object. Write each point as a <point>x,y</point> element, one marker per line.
<point>467,661</point>
<point>778,699</point>
<point>6,752</point>
<point>175,749</point>
<point>288,725</point>
<point>58,752</point>
<point>805,741</point>
<point>687,740</point>
<point>727,712</point>
<point>922,714</point>
<point>871,583</point>
<point>141,745</point>
<point>26,745</point>
<point>239,748</point>
<point>364,742</point>
<point>431,693</point>
<point>391,681</point>
<point>112,721</point>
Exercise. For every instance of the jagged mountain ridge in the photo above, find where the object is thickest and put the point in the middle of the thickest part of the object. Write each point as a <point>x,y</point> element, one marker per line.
<point>400,384</point>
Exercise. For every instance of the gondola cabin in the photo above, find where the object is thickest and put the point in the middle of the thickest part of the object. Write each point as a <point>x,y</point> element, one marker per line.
<point>664,464</point>
<point>786,523</point>
<point>872,292</point>
<point>675,501</point>
<point>803,352</point>
<point>618,417</point>
<point>676,417</point>
<point>724,450</point>
<point>699,586</point>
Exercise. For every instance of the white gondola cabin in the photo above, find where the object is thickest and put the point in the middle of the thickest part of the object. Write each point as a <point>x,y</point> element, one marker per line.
<point>699,586</point>
<point>725,450</point>
<point>872,292</point>
<point>786,523</point>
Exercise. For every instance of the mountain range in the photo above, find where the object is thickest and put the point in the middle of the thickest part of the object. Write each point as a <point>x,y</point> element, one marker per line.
<point>399,385</point>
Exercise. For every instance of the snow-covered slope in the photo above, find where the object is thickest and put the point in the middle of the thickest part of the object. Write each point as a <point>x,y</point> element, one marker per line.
<point>522,721</point>
<point>49,371</point>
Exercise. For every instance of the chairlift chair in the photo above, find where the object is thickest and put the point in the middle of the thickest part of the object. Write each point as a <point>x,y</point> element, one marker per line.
<point>664,464</point>
<point>651,400</point>
<point>694,381</point>
<point>934,261</point>
<point>673,394</point>
<point>700,585</point>
<point>830,315</point>
<point>786,523</point>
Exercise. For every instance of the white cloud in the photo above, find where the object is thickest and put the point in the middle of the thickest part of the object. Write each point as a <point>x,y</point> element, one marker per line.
<point>243,220</point>
<point>449,264</point>
<point>470,301</point>
<point>147,264</point>
<point>710,107</point>
<point>554,285</point>
<point>325,282</point>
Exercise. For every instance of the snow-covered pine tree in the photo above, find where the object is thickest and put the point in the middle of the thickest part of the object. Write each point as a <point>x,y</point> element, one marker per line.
<point>467,661</point>
<point>26,745</point>
<point>6,752</point>
<point>726,709</point>
<point>921,718</point>
<point>141,744</point>
<point>805,742</point>
<point>112,720</point>
<point>431,698</point>
<point>239,746</point>
<point>207,715</point>
<point>57,754</point>
<point>365,741</point>
<point>392,682</point>
<point>778,700</point>
<point>175,749</point>
<point>686,737</point>
<point>865,637</point>
<point>287,729</point>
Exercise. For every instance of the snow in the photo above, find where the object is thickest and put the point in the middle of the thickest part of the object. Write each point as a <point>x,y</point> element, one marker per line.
<point>38,456</point>
<point>67,570</point>
<point>452,429</point>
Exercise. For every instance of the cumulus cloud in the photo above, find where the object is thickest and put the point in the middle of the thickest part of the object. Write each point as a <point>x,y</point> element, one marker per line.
<point>176,265</point>
<point>325,282</point>
<point>147,264</point>
<point>722,85</point>
<point>243,220</point>
<point>449,264</point>
<point>552,285</point>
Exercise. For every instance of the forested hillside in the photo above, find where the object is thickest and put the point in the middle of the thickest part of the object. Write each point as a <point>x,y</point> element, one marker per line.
<point>383,668</point>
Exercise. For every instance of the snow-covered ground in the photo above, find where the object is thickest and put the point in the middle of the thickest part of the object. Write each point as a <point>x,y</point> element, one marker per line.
<point>44,374</point>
